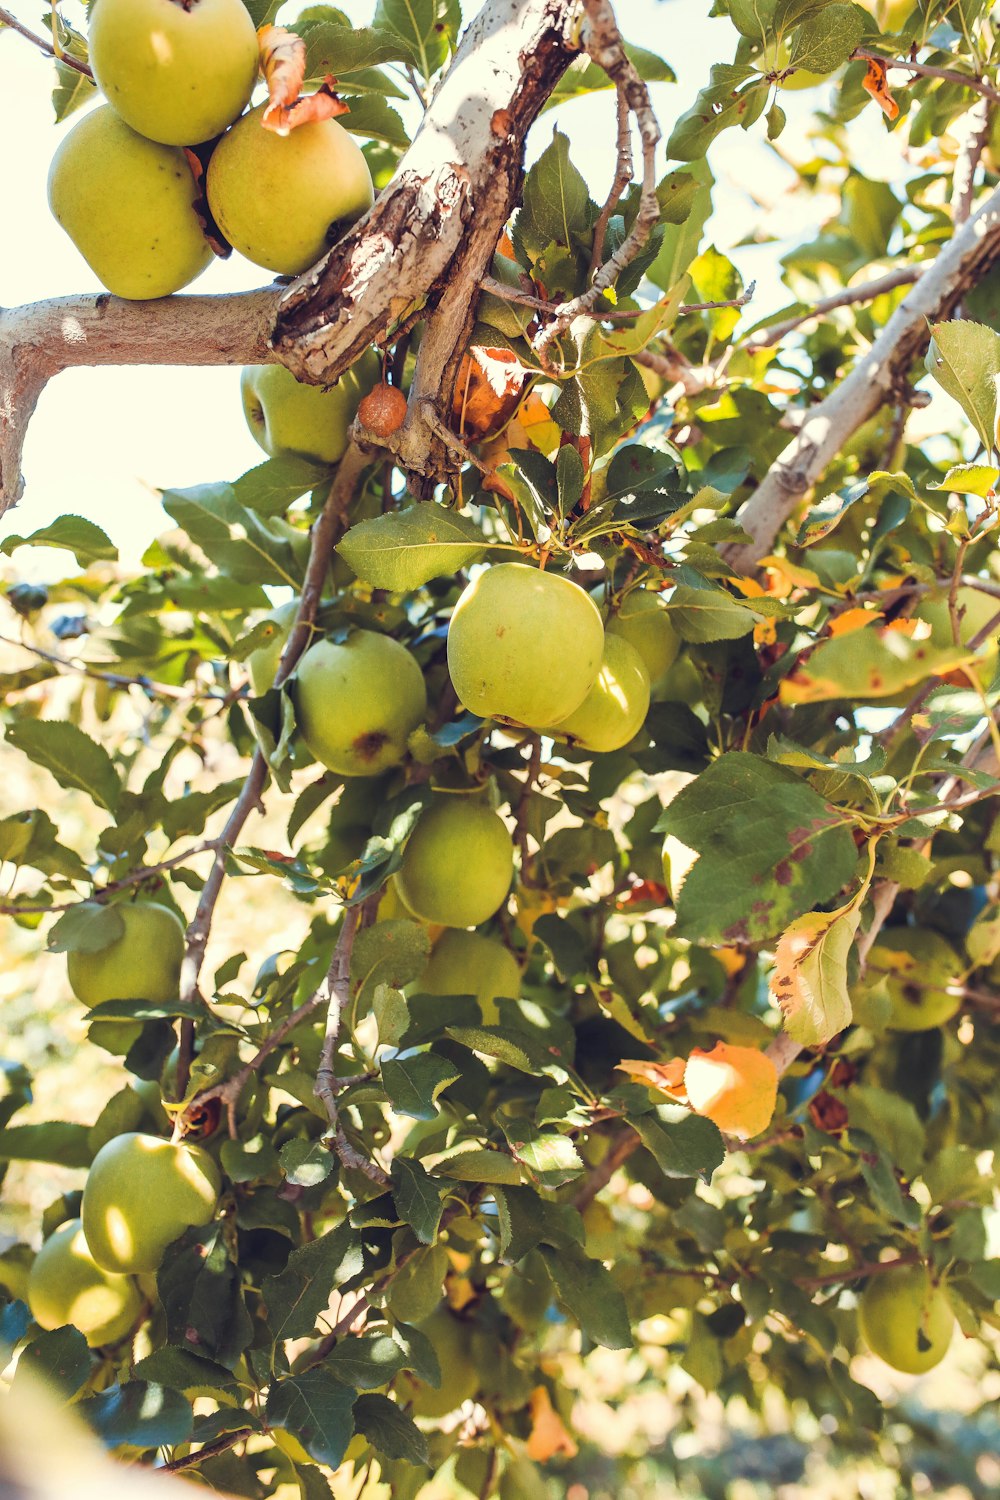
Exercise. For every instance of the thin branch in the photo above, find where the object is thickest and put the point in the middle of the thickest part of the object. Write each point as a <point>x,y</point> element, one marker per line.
<point>866,291</point>
<point>43,44</point>
<point>119,679</point>
<point>134,877</point>
<point>622,178</point>
<point>604,45</point>
<point>855,1273</point>
<point>673,367</point>
<point>327,530</point>
<point>208,1450</point>
<point>930,70</point>
<point>884,896</point>
<point>963,262</point>
<point>619,1151</point>
<point>740,301</point>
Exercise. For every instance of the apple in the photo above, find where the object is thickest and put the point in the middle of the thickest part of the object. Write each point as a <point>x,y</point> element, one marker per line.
<point>457,863</point>
<point>66,1285</point>
<point>890,15</point>
<point>143,964</point>
<point>177,73</point>
<point>917,964</point>
<point>128,206</point>
<point>615,709</point>
<point>906,1319</point>
<point>524,646</point>
<point>286,416</point>
<point>452,1341</point>
<point>466,963</point>
<point>357,701</point>
<point>281,200</point>
<point>141,1194</point>
<point>116,1037</point>
<point>262,664</point>
<point>642,620</point>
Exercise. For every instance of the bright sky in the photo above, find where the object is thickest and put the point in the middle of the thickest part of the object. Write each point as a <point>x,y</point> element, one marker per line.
<point>103,441</point>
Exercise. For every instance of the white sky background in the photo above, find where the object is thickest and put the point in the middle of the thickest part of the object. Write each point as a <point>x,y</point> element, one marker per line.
<point>102,441</point>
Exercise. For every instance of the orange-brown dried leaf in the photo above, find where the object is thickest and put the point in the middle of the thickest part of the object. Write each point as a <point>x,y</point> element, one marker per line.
<point>283,65</point>
<point>828,1113</point>
<point>876,84</point>
<point>549,1437</point>
<point>219,244</point>
<point>854,619</point>
<point>666,1077</point>
<point>487,393</point>
<point>735,1087</point>
<point>325,104</point>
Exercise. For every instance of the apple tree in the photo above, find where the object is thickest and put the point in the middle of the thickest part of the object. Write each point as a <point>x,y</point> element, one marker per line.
<point>622,667</point>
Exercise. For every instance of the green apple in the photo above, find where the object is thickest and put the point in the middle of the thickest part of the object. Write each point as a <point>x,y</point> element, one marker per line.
<point>66,1285</point>
<point>281,200</point>
<point>141,1194</point>
<point>143,964</point>
<point>357,701</point>
<point>642,620</point>
<point>452,1342</point>
<point>457,864</point>
<point>524,646</point>
<point>906,1319</point>
<point>176,72</point>
<point>917,964</point>
<point>262,664</point>
<point>286,416</point>
<point>128,206</point>
<point>615,709</point>
<point>466,963</point>
<point>890,15</point>
<point>116,1037</point>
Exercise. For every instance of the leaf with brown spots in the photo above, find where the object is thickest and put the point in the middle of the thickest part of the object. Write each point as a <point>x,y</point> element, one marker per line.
<point>876,84</point>
<point>283,64</point>
<point>809,982</point>
<point>876,662</point>
<point>666,1077</point>
<point>488,392</point>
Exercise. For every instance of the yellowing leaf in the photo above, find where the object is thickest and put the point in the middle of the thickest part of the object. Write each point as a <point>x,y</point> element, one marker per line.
<point>853,619</point>
<point>283,64</point>
<point>667,1078</point>
<point>549,1436</point>
<point>876,84</point>
<point>734,1087</point>
<point>877,662</point>
<point>809,982</point>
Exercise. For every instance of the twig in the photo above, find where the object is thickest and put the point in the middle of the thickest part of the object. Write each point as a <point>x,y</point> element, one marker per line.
<point>208,1450</point>
<point>930,70</point>
<point>43,44</point>
<point>855,1273</point>
<point>740,301</point>
<point>671,366</point>
<point>892,731</point>
<point>865,292</point>
<point>521,811</point>
<point>134,877</point>
<point>622,178</point>
<point>325,534</point>
<point>603,42</point>
<point>963,179</point>
<point>120,679</point>
<point>619,1151</point>
<point>883,900</point>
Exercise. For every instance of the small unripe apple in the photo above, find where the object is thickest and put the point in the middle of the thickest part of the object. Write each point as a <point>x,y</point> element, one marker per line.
<point>143,964</point>
<point>280,200</point>
<point>614,710</point>
<point>176,72</point>
<point>524,646</point>
<point>642,621</point>
<point>457,864</point>
<point>466,963</point>
<point>128,206</point>
<point>141,1194</point>
<point>452,1341</point>
<point>357,701</point>
<point>906,1319</point>
<point>286,416</point>
<point>917,964</point>
<point>66,1285</point>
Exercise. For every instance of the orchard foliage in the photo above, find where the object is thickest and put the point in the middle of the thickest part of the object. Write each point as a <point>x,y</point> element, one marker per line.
<point>721,1081</point>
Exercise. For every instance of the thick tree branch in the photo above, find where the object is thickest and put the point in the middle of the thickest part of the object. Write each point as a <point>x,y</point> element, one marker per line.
<point>43,338</point>
<point>961,264</point>
<point>430,237</point>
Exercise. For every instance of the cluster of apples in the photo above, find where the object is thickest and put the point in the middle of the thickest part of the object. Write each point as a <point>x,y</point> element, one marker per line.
<point>126,183</point>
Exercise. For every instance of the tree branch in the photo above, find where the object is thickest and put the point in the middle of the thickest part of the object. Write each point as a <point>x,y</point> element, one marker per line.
<point>43,44</point>
<point>866,292</point>
<point>961,264</point>
<point>930,70</point>
<point>41,339</point>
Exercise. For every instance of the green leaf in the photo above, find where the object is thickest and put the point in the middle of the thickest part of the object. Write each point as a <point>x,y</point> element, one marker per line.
<point>429,28</point>
<point>402,550</point>
<point>87,928</point>
<point>77,762</point>
<point>701,615</point>
<point>248,1160</point>
<point>414,1083</point>
<point>494,1041</point>
<point>201,1293</point>
<point>417,1198</point>
<point>549,1159</point>
<point>181,1370</point>
<point>556,205</point>
<point>390,1430</point>
<point>366,1363</point>
<point>585,77</point>
<point>87,542</point>
<point>30,838</point>
<point>810,975</point>
<point>273,486</point>
<point>138,1415</point>
<point>770,848</point>
<point>970,479</point>
<point>240,544</point>
<point>392,953</point>
<point>479,1165</point>
<point>306,1163</point>
<point>332,48</point>
<point>60,1358</point>
<point>392,1016</point>
<point>683,1144</point>
<point>57,1142</point>
<point>826,40</point>
<point>317,1409</point>
<point>299,1294</point>
<point>868,664</point>
<point>528,1220</point>
<point>964,359</point>
<point>369,115</point>
<point>585,1287</point>
<point>72,90</point>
